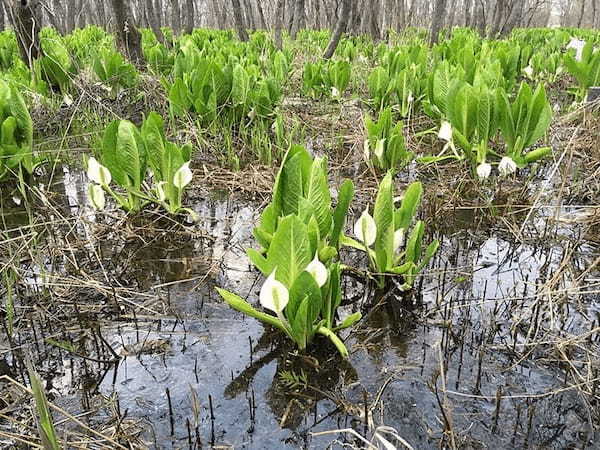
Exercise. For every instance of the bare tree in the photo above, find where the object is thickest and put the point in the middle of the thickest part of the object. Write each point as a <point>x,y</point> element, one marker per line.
<point>374,22</point>
<point>299,21</point>
<point>189,22</point>
<point>219,13</point>
<point>25,17</point>
<point>261,15</point>
<point>438,21</point>
<point>468,5</point>
<point>341,26</point>
<point>129,36</point>
<point>175,16</point>
<point>581,12</point>
<point>239,20</point>
<point>152,19</point>
<point>279,22</point>
<point>101,13</point>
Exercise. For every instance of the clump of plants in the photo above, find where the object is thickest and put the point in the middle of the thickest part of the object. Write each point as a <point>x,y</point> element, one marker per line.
<point>114,71</point>
<point>326,78</point>
<point>384,145</point>
<point>300,234</point>
<point>128,155</point>
<point>16,134</point>
<point>391,238</point>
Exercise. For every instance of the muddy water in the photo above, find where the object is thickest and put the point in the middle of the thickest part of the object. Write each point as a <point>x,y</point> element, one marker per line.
<point>463,354</point>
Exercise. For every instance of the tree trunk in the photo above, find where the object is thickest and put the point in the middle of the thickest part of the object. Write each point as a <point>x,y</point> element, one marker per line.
<point>317,14</point>
<point>374,25</point>
<point>279,23</point>
<point>451,18</point>
<point>239,20</point>
<point>101,10</point>
<point>175,16</point>
<point>261,15</point>
<point>2,22</point>
<point>341,26</point>
<point>299,18</point>
<point>53,18</point>
<point>289,14</point>
<point>71,15</point>
<point>189,22</point>
<point>411,13</point>
<point>129,36</point>
<point>26,20</point>
<point>250,21</point>
<point>152,19</point>
<point>481,18</point>
<point>581,11</point>
<point>218,11</point>
<point>468,4</point>
<point>438,21</point>
<point>158,11</point>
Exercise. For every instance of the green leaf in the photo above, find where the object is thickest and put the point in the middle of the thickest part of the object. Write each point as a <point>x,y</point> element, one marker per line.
<point>243,306</point>
<point>349,321</point>
<point>259,261</point>
<point>413,246</point>
<point>290,250</point>
<point>319,197</point>
<point>131,154</point>
<point>345,196</point>
<point>301,326</point>
<point>304,287</point>
<point>383,213</point>
<point>410,202</point>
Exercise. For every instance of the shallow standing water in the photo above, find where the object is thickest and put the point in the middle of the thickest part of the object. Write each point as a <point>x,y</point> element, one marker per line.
<point>475,358</point>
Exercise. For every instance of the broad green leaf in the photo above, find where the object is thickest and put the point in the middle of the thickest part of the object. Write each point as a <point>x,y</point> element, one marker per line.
<point>410,202</point>
<point>290,250</point>
<point>345,196</point>
<point>243,306</point>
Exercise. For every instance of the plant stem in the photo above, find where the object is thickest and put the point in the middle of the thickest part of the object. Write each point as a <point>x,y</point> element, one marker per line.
<point>336,340</point>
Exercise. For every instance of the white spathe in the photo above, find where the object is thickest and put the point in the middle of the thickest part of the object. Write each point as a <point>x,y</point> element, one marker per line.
<point>335,93</point>
<point>445,133</point>
<point>365,228</point>
<point>528,71</point>
<point>507,166</point>
<point>379,149</point>
<point>318,271</point>
<point>160,191</point>
<point>367,150</point>
<point>98,173</point>
<point>274,296</point>
<point>578,45</point>
<point>484,170</point>
<point>398,238</point>
<point>96,196</point>
<point>183,176</point>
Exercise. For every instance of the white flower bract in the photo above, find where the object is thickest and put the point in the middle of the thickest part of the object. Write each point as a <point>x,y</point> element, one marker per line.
<point>445,133</point>
<point>507,166</point>
<point>318,271</point>
<point>183,176</point>
<point>365,228</point>
<point>274,296</point>
<point>484,170</point>
<point>398,238</point>
<point>578,45</point>
<point>96,196</point>
<point>98,173</point>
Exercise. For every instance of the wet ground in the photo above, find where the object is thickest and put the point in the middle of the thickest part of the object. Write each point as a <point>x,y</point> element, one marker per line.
<point>497,348</point>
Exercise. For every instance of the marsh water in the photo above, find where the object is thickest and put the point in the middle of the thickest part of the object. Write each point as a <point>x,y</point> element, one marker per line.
<point>493,349</point>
